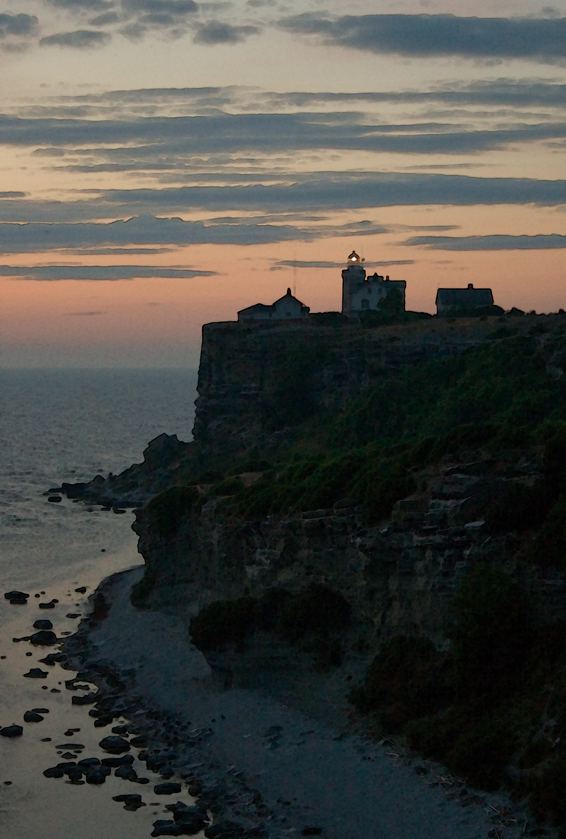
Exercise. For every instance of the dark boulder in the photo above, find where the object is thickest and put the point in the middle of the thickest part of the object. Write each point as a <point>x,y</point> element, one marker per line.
<point>113,744</point>
<point>54,772</point>
<point>224,830</point>
<point>168,788</point>
<point>165,828</point>
<point>53,658</point>
<point>88,761</point>
<point>123,760</point>
<point>127,773</point>
<point>36,673</point>
<point>43,638</point>
<point>42,624</point>
<point>96,774</point>
<point>88,699</point>
<point>11,731</point>
<point>31,716</point>
<point>131,802</point>
<point>16,595</point>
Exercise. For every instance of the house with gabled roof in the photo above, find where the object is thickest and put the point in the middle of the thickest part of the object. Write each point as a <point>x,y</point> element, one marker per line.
<point>286,308</point>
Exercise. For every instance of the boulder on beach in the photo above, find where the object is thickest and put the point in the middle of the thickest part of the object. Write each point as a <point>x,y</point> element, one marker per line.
<point>122,760</point>
<point>54,772</point>
<point>96,774</point>
<point>31,716</point>
<point>126,772</point>
<point>167,788</point>
<point>11,731</point>
<point>36,673</point>
<point>131,802</point>
<point>42,624</point>
<point>113,743</point>
<point>162,827</point>
<point>43,638</point>
<point>16,595</point>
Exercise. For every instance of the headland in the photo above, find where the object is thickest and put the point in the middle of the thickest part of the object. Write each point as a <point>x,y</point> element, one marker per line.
<point>369,531</point>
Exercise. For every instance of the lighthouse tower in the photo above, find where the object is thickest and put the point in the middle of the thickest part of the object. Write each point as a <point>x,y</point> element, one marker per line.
<point>352,277</point>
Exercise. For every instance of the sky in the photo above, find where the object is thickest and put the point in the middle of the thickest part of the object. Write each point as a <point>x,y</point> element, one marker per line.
<point>165,163</point>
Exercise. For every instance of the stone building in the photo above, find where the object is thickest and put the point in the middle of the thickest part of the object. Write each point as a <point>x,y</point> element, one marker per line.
<point>450,299</point>
<point>361,293</point>
<point>287,307</point>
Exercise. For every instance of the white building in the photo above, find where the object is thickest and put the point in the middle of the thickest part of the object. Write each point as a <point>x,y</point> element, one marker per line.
<point>361,293</point>
<point>287,307</point>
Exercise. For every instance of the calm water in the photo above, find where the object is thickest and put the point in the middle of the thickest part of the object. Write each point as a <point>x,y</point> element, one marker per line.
<point>67,425</point>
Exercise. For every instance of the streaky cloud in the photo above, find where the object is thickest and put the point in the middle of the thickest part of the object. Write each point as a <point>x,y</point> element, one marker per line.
<point>492,242</point>
<point>79,39</point>
<point>215,32</point>
<point>423,35</point>
<point>98,272</point>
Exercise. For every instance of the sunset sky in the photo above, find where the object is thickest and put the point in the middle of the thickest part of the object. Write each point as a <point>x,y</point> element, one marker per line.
<point>165,163</point>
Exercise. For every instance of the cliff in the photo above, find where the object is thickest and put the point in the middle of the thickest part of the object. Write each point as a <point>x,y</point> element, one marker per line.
<point>379,515</point>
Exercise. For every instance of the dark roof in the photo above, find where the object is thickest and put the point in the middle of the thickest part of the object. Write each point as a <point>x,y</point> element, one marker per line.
<point>455,297</point>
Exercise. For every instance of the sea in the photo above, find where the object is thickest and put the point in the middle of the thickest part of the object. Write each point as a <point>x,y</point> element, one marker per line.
<point>68,425</point>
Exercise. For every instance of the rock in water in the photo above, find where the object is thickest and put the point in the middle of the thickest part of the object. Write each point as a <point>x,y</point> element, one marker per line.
<point>16,595</point>
<point>43,624</point>
<point>131,802</point>
<point>43,638</point>
<point>54,772</point>
<point>168,788</point>
<point>127,773</point>
<point>113,744</point>
<point>96,774</point>
<point>11,731</point>
<point>165,828</point>
<point>123,760</point>
<point>36,673</point>
<point>31,716</point>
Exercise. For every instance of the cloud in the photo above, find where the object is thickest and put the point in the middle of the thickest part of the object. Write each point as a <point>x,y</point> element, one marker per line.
<point>82,5</point>
<point>98,272</point>
<point>38,237</point>
<point>494,242</point>
<point>84,314</point>
<point>165,141</point>
<point>298,263</point>
<point>79,39</point>
<point>215,32</point>
<point>175,8</point>
<point>536,39</point>
<point>342,191</point>
<point>20,26</point>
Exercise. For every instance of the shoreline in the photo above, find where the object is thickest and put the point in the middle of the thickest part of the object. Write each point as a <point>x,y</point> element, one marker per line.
<point>252,760</point>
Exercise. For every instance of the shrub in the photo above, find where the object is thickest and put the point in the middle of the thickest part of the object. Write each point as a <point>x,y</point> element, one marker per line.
<point>142,589</point>
<point>408,678</point>
<point>168,509</point>
<point>489,631</point>
<point>318,609</point>
<point>223,623</point>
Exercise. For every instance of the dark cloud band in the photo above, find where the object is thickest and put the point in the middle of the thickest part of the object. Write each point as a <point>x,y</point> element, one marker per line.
<point>494,242</point>
<point>97,272</point>
<point>538,39</point>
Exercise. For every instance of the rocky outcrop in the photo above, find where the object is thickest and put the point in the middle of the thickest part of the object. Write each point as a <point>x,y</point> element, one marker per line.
<point>399,576</point>
<point>248,372</point>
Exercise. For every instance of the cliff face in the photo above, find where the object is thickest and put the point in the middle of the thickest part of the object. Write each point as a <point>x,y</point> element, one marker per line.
<point>399,577</point>
<point>256,381</point>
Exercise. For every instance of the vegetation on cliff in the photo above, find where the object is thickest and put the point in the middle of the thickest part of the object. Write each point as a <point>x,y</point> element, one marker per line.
<point>490,703</point>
